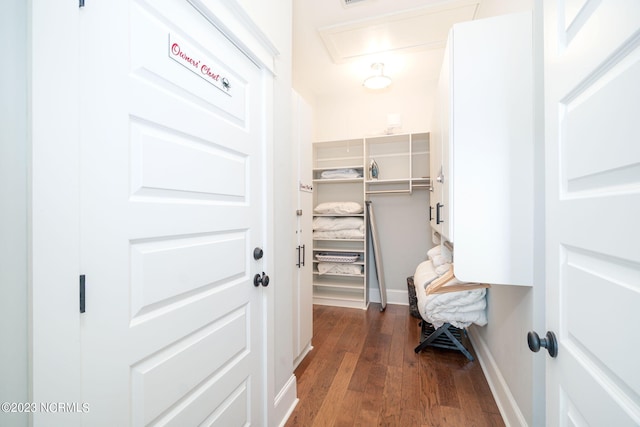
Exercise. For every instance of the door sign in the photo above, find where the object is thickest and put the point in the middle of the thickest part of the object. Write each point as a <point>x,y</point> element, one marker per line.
<point>195,61</point>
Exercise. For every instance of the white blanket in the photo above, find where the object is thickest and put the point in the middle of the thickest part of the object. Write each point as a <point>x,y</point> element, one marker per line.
<point>460,308</point>
<point>339,268</point>
<point>330,223</point>
<point>339,234</point>
<point>340,174</point>
<point>339,208</point>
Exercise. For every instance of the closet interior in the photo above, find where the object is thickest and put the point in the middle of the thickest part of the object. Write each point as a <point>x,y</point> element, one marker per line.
<point>346,175</point>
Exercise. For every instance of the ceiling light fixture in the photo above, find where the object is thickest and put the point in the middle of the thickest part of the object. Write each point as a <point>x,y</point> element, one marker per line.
<point>377,80</point>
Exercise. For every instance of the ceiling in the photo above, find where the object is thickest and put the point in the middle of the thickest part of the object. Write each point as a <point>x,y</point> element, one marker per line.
<point>335,44</point>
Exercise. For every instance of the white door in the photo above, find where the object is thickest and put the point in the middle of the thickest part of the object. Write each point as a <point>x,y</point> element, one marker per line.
<point>592,102</point>
<point>172,197</point>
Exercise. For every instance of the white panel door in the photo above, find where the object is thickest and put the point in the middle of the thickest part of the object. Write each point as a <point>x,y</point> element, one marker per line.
<point>592,100</point>
<point>172,193</point>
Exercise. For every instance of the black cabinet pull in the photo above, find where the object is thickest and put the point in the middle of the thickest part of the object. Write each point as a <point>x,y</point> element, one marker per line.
<point>439,220</point>
<point>303,255</point>
<point>430,213</point>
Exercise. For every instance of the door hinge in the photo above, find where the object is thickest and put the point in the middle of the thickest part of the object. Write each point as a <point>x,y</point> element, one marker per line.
<point>82,294</point>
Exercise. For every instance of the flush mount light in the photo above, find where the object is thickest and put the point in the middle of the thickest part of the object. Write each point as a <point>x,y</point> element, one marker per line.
<point>377,80</point>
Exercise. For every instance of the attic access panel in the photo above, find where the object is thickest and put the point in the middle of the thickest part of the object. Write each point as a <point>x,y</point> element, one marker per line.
<point>406,31</point>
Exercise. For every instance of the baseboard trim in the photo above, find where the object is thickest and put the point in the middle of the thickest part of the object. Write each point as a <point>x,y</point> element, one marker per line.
<point>393,296</point>
<point>285,402</point>
<point>302,355</point>
<point>507,405</point>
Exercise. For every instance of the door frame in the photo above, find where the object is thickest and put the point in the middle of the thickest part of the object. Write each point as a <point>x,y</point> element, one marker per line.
<point>54,192</point>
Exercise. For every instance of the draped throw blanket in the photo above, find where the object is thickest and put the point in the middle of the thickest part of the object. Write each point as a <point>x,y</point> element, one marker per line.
<point>442,298</point>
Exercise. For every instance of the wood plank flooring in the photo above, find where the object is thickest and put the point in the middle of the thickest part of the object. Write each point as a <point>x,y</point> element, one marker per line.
<point>363,371</point>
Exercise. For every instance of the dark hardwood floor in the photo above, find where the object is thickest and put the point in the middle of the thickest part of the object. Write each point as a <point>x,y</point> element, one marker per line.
<point>363,371</point>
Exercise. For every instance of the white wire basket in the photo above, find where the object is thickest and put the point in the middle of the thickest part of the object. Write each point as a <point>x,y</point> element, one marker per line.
<point>337,257</point>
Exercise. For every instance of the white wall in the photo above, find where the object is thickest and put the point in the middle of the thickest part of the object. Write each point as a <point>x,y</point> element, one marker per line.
<point>13,210</point>
<point>402,222</point>
<point>356,116</point>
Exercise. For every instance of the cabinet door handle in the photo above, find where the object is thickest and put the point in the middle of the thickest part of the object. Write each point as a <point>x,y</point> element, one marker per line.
<point>298,263</point>
<point>439,220</point>
<point>430,213</point>
<point>304,252</point>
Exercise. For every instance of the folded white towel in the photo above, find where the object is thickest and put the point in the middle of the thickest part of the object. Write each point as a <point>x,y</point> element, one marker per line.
<point>340,234</point>
<point>340,173</point>
<point>329,223</point>
<point>339,208</point>
<point>425,274</point>
<point>441,269</point>
<point>446,254</point>
<point>339,268</point>
<point>434,251</point>
<point>439,260</point>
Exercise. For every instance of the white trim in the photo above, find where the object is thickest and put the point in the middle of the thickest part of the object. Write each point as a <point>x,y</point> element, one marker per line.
<point>507,404</point>
<point>394,296</point>
<point>232,20</point>
<point>302,355</point>
<point>54,248</point>
<point>285,402</point>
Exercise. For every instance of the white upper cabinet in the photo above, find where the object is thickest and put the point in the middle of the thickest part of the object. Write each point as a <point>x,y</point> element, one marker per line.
<point>482,150</point>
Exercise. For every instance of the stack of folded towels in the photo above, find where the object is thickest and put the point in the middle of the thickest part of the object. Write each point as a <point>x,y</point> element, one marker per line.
<point>444,299</point>
<point>326,227</point>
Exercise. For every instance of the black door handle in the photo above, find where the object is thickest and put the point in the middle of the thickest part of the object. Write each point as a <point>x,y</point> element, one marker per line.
<point>549,342</point>
<point>260,280</point>
<point>430,213</point>
<point>438,218</point>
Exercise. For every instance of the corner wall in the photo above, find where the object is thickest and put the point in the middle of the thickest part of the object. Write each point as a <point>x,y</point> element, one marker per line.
<point>13,211</point>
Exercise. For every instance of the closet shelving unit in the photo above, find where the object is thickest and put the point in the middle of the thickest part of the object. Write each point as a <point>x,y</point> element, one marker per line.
<point>403,161</point>
<point>344,290</point>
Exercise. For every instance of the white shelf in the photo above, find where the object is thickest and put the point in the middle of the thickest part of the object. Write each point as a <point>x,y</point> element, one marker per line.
<point>337,180</point>
<point>339,250</point>
<point>403,162</point>
<point>329,168</point>
<point>338,286</point>
<point>339,215</point>
<point>347,290</point>
<point>315,273</point>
